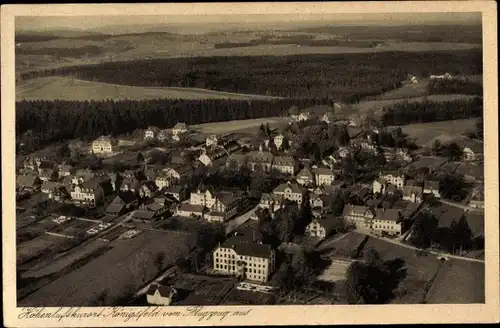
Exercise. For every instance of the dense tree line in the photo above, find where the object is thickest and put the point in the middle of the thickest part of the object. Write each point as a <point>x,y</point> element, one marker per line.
<point>431,111</point>
<point>62,52</point>
<point>454,86</point>
<point>39,123</point>
<point>343,77</point>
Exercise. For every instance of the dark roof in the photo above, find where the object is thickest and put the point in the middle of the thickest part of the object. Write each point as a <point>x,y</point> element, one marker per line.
<point>246,248</point>
<point>476,146</point>
<point>431,184</point>
<point>446,214</point>
<point>305,172</point>
<point>164,290</point>
<point>127,197</point>
<point>294,186</point>
<point>388,215</point>
<point>114,208</point>
<point>475,220</point>
<point>140,214</point>
<point>408,190</point>
<point>50,185</point>
<point>191,208</point>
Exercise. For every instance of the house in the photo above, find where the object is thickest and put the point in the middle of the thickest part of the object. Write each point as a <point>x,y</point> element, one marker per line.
<point>131,184</point>
<point>29,182</point>
<point>304,116</point>
<point>214,157</point>
<point>89,193</point>
<point>160,295</point>
<point>395,178</point>
<point>477,199</point>
<point>388,221</point>
<point>226,206</point>
<point>104,145</point>
<point>320,227</point>
<point>177,192</point>
<point>446,76</point>
<point>212,141</point>
<point>290,191</point>
<point>413,194</point>
<point>244,258</point>
<point>379,186</point>
<point>147,189</point>
<point>286,164</point>
<point>115,209</point>
<point>203,196</point>
<point>151,133</point>
<point>143,216</point>
<point>59,194</point>
<point>175,175</point>
<point>157,208</point>
<point>343,152</point>
<point>47,174</point>
<point>82,175</point>
<point>413,80</point>
<point>162,135</point>
<point>305,177</point>
<point>473,151</point>
<point>319,201</point>
<point>432,187</point>
<point>272,202</point>
<point>65,170</point>
<point>330,189</point>
<point>260,160</point>
<point>323,176</point>
<point>360,216</point>
<point>328,118</point>
<point>278,141</point>
<point>179,129</point>
<point>126,141</point>
<point>126,198</point>
<point>190,210</point>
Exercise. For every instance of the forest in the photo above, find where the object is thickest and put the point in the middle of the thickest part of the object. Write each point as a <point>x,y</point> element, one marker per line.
<point>39,123</point>
<point>454,86</point>
<point>342,77</point>
<point>431,111</point>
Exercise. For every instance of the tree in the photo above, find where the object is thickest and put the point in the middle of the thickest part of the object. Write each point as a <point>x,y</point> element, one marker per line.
<point>461,234</point>
<point>355,279</point>
<point>453,186</point>
<point>423,230</point>
<point>454,152</point>
<point>337,204</point>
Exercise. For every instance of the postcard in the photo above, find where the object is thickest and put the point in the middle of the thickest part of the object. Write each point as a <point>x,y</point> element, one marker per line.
<point>233,164</point>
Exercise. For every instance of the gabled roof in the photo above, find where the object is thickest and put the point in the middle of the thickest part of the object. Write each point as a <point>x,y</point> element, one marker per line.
<point>114,208</point>
<point>127,197</point>
<point>180,126</point>
<point>409,190</point>
<point>91,184</point>
<point>154,207</point>
<point>476,146</point>
<point>163,290</point>
<point>50,185</point>
<point>431,184</point>
<point>413,183</point>
<point>186,207</point>
<point>104,138</point>
<point>248,248</point>
<point>143,215</point>
<point>355,209</point>
<point>294,186</point>
<point>323,171</point>
<point>284,160</point>
<point>388,215</point>
<point>305,173</point>
<point>260,157</point>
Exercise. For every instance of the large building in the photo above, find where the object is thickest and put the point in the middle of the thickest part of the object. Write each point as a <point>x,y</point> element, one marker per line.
<point>89,193</point>
<point>323,176</point>
<point>244,258</point>
<point>286,164</point>
<point>360,216</point>
<point>395,178</point>
<point>290,191</point>
<point>104,145</point>
<point>388,221</point>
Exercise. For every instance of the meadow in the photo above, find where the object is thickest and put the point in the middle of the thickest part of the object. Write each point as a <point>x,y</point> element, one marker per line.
<point>66,88</point>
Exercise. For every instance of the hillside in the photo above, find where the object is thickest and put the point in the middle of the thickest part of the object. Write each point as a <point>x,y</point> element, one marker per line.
<point>65,88</point>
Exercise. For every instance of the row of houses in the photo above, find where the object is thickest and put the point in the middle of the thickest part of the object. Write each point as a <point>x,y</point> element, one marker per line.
<point>390,182</point>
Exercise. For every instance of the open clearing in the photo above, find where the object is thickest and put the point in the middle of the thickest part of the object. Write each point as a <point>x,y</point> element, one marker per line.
<point>458,282</point>
<point>240,125</point>
<point>446,131</point>
<point>125,268</point>
<point>407,91</point>
<point>65,88</point>
<point>34,247</point>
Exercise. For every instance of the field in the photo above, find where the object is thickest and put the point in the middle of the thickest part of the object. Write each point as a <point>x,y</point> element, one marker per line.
<point>431,162</point>
<point>65,88</point>
<point>335,272</point>
<point>458,282</point>
<point>446,131</point>
<point>64,260</point>
<point>34,247</point>
<point>125,268</point>
<point>242,126</point>
<point>407,91</point>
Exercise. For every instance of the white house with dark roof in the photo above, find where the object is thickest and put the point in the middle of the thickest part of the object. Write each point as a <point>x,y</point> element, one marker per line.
<point>388,221</point>
<point>395,178</point>
<point>278,141</point>
<point>179,129</point>
<point>290,191</point>
<point>473,150</point>
<point>323,176</point>
<point>413,194</point>
<point>104,145</point>
<point>160,295</point>
<point>151,133</point>
<point>28,182</point>
<point>431,187</point>
<point>242,257</point>
<point>271,201</point>
<point>320,227</point>
<point>477,199</point>
<point>361,216</point>
<point>286,164</point>
<point>89,193</point>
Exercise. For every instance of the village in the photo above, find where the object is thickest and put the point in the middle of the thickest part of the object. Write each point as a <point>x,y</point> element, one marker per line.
<point>215,219</point>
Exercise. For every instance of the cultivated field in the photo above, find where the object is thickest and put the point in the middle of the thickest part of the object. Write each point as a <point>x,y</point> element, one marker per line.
<point>64,88</point>
<point>34,247</point>
<point>458,282</point>
<point>426,133</point>
<point>407,91</point>
<point>125,268</point>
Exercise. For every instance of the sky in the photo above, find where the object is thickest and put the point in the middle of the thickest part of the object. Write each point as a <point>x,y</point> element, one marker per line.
<point>130,22</point>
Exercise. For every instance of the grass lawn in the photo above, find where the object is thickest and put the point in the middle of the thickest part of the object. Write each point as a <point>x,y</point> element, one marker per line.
<point>35,246</point>
<point>407,91</point>
<point>458,282</point>
<point>446,131</point>
<point>65,88</point>
<point>250,126</point>
<point>125,268</point>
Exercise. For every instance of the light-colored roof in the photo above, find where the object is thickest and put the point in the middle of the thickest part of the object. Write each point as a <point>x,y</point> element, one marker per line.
<point>284,160</point>
<point>323,171</point>
<point>180,126</point>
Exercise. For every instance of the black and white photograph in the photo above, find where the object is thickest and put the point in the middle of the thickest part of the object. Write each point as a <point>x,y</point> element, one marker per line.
<point>192,161</point>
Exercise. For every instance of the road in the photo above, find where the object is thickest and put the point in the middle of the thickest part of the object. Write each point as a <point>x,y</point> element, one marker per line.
<point>460,205</point>
<point>233,224</point>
